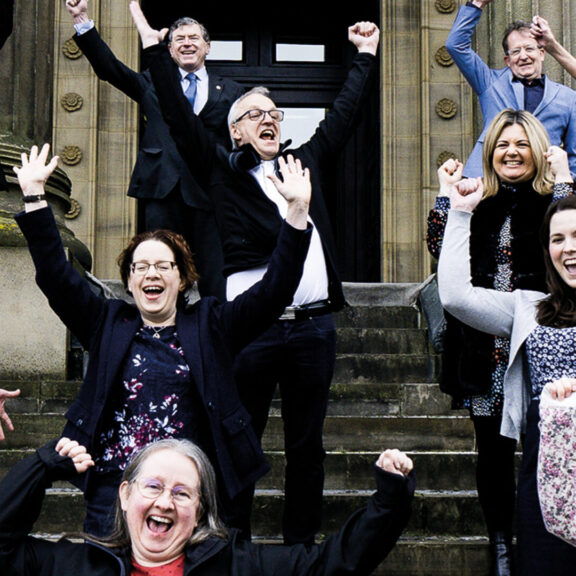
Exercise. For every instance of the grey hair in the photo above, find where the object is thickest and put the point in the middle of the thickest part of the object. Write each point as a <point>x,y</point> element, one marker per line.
<point>209,523</point>
<point>186,21</point>
<point>232,114</point>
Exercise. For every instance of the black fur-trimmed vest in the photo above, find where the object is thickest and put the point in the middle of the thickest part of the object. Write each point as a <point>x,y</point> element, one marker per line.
<point>468,362</point>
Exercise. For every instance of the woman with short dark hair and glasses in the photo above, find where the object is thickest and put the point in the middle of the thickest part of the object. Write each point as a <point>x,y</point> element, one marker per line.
<point>159,368</point>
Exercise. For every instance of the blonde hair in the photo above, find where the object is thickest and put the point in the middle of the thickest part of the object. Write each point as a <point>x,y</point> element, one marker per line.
<point>539,143</point>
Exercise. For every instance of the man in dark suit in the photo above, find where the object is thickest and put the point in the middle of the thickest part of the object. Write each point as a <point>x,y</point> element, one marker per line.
<point>298,352</point>
<point>6,19</point>
<point>168,194</point>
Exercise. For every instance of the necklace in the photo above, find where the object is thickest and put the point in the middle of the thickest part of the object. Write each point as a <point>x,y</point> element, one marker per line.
<point>157,330</point>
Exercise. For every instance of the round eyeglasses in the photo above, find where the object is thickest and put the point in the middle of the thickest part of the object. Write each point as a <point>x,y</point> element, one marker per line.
<point>151,489</point>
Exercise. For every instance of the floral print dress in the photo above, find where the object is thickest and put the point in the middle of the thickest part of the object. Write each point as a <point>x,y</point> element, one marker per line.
<point>157,400</point>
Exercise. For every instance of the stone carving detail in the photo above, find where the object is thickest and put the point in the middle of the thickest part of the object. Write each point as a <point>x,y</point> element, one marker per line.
<point>70,49</point>
<point>71,102</point>
<point>443,156</point>
<point>443,58</point>
<point>74,211</point>
<point>71,155</point>
<point>445,6</point>
<point>446,108</point>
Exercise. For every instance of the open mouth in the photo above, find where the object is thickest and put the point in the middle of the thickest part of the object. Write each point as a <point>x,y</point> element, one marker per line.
<point>159,524</point>
<point>268,135</point>
<point>570,266</point>
<point>153,291</point>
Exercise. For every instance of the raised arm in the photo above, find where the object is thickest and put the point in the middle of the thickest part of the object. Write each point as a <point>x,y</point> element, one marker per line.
<point>68,293</point>
<point>487,310</point>
<point>22,494</point>
<point>448,174</point>
<point>541,31</point>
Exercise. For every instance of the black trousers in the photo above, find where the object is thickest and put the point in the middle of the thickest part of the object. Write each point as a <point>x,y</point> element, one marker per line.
<point>198,228</point>
<point>298,356</point>
<point>495,475</point>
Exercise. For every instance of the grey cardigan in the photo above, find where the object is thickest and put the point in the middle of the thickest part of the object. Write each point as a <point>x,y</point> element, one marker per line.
<point>509,314</point>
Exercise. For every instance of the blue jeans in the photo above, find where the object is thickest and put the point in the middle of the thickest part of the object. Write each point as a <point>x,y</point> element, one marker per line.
<point>298,356</point>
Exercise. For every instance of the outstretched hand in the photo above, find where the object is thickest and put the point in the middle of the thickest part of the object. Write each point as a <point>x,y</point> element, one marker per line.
<point>395,462</point>
<point>466,194</point>
<point>76,452</point>
<point>296,188</point>
<point>365,36</point>
<point>34,172</point>
<point>5,395</point>
<point>148,35</point>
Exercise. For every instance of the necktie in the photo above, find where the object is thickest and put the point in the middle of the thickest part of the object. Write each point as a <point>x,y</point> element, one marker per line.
<point>190,92</point>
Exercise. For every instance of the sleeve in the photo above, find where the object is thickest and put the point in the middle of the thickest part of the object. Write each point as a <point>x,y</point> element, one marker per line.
<point>108,68</point>
<point>335,130</point>
<point>459,45</point>
<point>69,295</point>
<point>486,310</point>
<point>22,493</point>
<point>251,312</point>
<point>562,190</point>
<point>436,224</point>
<point>362,543</point>
<point>569,138</point>
<point>195,143</point>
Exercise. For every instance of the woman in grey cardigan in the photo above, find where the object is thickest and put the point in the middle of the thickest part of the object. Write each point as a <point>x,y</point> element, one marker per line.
<point>542,332</point>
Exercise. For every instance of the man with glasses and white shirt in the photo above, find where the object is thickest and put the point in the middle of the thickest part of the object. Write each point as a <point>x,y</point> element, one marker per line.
<point>298,352</point>
<point>520,85</point>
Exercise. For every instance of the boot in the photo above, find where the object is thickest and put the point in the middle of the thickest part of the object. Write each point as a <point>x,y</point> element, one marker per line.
<point>501,554</point>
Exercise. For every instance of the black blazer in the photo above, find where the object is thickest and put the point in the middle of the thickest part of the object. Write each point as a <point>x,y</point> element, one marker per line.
<point>210,332</point>
<point>248,220</point>
<point>159,166</point>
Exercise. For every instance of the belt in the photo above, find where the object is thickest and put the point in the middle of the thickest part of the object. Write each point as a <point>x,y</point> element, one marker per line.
<point>304,311</point>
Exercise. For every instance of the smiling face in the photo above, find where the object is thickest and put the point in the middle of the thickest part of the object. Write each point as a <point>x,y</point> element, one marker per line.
<point>562,245</point>
<point>160,528</point>
<point>525,57</point>
<point>188,47</point>
<point>512,159</point>
<point>155,294</point>
<point>264,133</point>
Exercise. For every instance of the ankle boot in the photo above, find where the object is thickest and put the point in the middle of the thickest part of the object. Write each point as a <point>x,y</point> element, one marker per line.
<point>501,554</point>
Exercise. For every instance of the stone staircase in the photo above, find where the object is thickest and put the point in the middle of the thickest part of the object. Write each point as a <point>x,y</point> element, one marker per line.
<point>383,395</point>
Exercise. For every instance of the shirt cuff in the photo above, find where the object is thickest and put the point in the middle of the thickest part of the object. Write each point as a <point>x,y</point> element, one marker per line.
<point>83,27</point>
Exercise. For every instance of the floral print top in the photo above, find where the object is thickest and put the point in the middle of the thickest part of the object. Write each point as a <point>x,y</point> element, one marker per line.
<point>156,399</point>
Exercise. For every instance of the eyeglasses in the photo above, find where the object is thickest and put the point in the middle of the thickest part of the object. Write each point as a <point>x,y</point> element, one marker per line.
<point>255,115</point>
<point>528,50</point>
<point>162,267</point>
<point>152,489</point>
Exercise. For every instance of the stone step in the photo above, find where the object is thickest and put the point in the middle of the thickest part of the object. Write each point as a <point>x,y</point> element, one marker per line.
<point>435,513</point>
<point>357,433</point>
<point>344,433</point>
<point>380,340</point>
<point>349,471</point>
<point>389,317</point>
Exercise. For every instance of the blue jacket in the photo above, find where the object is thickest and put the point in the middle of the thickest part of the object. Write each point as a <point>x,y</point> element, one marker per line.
<point>497,91</point>
<point>210,332</point>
